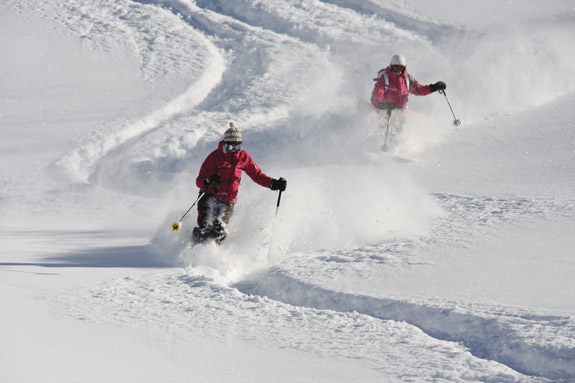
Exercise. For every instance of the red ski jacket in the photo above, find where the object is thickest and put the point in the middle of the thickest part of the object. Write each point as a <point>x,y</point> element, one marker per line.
<point>229,166</point>
<point>392,88</point>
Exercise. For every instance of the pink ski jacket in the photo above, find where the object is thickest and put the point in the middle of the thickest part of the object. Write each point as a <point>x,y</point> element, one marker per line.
<point>229,166</point>
<point>392,88</point>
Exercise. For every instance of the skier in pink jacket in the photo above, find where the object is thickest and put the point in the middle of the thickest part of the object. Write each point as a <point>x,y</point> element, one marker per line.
<point>394,84</point>
<point>219,179</point>
<point>391,92</point>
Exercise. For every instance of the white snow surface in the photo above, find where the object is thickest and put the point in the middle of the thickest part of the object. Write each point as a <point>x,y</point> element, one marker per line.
<point>450,260</point>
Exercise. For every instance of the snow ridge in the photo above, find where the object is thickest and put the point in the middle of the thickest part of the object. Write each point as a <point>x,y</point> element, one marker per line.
<point>488,332</point>
<point>184,303</point>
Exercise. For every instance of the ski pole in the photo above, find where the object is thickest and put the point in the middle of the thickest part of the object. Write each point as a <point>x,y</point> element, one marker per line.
<point>271,229</point>
<point>456,121</point>
<point>278,205</point>
<point>176,226</point>
<point>384,147</point>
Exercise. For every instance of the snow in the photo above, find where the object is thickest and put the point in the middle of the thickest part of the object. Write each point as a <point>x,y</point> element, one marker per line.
<point>450,260</point>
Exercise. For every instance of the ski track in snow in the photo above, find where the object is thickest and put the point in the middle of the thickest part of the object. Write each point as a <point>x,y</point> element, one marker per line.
<point>185,304</point>
<point>490,333</point>
<point>224,79</point>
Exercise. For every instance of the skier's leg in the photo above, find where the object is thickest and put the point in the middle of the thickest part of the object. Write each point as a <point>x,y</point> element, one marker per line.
<point>396,125</point>
<point>228,212</point>
<point>399,119</point>
<point>385,118</point>
<point>219,229</point>
<point>213,218</point>
<point>206,216</point>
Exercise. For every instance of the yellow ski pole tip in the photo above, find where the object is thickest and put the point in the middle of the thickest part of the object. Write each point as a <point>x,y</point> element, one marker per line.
<point>176,226</point>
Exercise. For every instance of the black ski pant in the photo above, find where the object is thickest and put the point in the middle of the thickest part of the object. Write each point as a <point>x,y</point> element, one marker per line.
<point>211,209</point>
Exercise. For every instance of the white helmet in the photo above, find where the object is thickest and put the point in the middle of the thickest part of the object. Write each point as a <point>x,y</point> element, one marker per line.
<point>398,60</point>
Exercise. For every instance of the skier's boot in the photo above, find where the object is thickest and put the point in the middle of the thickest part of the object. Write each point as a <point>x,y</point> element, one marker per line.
<point>216,231</point>
<point>199,235</point>
<point>219,231</point>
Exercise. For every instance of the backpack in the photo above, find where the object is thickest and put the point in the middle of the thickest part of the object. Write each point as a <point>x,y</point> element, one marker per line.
<point>383,73</point>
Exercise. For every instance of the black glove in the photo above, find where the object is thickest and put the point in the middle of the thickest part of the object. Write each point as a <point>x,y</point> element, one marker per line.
<point>389,106</point>
<point>440,85</point>
<point>280,184</point>
<point>213,179</point>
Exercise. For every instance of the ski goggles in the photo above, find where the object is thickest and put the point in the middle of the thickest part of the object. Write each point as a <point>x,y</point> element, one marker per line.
<point>397,68</point>
<point>231,146</point>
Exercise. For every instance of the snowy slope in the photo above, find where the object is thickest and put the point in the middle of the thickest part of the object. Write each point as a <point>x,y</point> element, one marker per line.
<point>449,261</point>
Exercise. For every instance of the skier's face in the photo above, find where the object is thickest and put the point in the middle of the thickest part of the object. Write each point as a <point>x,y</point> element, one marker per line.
<point>233,147</point>
<point>397,69</point>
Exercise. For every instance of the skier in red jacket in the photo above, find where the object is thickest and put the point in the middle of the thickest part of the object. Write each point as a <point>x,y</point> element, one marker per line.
<point>219,179</point>
<point>391,92</point>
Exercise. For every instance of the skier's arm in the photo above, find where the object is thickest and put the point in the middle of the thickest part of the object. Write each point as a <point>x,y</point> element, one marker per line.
<point>378,92</point>
<point>256,173</point>
<point>208,168</point>
<point>418,89</point>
